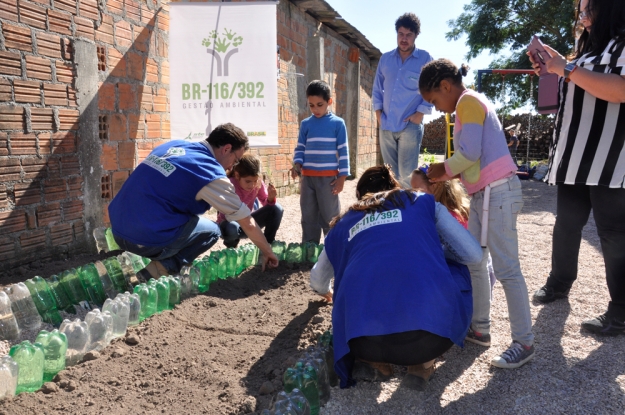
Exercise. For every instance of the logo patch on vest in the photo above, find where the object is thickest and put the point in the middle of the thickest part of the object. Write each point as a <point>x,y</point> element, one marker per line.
<point>375,219</point>
<point>160,164</point>
<point>174,152</point>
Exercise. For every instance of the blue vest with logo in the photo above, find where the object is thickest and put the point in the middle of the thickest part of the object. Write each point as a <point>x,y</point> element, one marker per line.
<point>158,198</point>
<point>390,276</point>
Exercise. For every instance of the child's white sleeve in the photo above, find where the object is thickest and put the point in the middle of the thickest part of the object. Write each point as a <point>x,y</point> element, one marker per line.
<point>321,274</point>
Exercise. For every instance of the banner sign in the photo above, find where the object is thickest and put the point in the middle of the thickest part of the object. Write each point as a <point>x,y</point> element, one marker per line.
<point>222,60</point>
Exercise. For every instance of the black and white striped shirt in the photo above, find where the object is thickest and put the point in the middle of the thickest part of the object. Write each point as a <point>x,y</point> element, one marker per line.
<point>589,134</point>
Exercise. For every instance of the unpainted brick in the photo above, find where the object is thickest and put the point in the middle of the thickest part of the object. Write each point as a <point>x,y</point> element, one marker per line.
<point>3,197</point>
<point>117,63</point>
<point>7,249</point>
<point>119,177</point>
<point>146,98</point>
<point>67,5</point>
<point>32,15</point>
<point>66,49</point>
<point>22,144</point>
<point>115,7</point>
<point>70,165</point>
<point>117,127</point>
<point>153,122</point>
<point>75,186</point>
<point>31,219</point>
<point>127,96</point>
<point>166,129</point>
<point>79,229</point>
<point>136,126</point>
<point>54,189</point>
<point>59,22</point>
<point>17,37</point>
<point>54,168</point>
<point>64,72</point>
<point>10,63</point>
<point>63,142</point>
<point>84,27</point>
<point>135,65</point>
<point>105,31</point>
<point>89,9</point>
<point>6,92</point>
<point>68,119</point>
<point>49,45</point>
<point>27,91</point>
<point>144,148</point>
<point>71,95</point>
<point>12,118</point>
<point>27,193</point>
<point>147,16</point>
<point>142,38</point>
<point>44,144</point>
<point>165,73</point>
<point>160,101</point>
<point>55,94</point>
<point>73,210</point>
<point>8,10</point>
<point>106,97</point>
<point>41,118</point>
<point>151,68</point>
<point>161,46</point>
<point>163,20</point>
<point>133,10</point>
<point>38,68</point>
<point>4,144</point>
<point>48,214</point>
<point>10,170</point>
<point>126,153</point>
<point>109,157</point>
<point>123,34</point>
<point>35,240</point>
<point>12,221</point>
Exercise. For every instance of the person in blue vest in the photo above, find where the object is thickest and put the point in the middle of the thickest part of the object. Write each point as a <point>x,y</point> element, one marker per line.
<point>157,212</point>
<point>402,291</point>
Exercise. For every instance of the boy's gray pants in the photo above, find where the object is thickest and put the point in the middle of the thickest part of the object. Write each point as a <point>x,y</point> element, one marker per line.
<point>318,205</point>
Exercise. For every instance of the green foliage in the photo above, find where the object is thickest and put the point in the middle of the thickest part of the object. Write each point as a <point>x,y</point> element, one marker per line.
<point>221,44</point>
<point>505,28</point>
<point>427,157</point>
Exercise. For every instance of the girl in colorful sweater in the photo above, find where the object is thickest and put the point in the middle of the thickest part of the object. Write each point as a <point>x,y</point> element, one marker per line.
<point>245,176</point>
<point>485,167</point>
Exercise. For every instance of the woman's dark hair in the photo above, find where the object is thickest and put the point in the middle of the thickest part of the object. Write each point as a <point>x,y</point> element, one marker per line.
<point>410,21</point>
<point>435,71</point>
<point>228,134</point>
<point>319,88</point>
<point>608,22</point>
<point>376,186</point>
<point>249,165</point>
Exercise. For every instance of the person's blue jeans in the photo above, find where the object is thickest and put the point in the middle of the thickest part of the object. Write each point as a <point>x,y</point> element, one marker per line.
<point>401,150</point>
<point>196,237</point>
<point>268,217</point>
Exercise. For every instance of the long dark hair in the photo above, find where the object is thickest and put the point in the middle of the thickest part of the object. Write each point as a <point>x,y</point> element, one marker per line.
<point>376,186</point>
<point>608,22</point>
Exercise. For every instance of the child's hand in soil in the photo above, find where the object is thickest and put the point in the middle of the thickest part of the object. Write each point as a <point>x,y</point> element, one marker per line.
<point>272,193</point>
<point>337,185</point>
<point>437,173</point>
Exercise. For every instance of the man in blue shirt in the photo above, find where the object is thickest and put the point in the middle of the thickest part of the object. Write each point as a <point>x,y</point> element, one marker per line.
<point>397,102</point>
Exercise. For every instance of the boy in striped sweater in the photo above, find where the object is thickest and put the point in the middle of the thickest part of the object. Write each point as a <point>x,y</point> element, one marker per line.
<point>321,159</point>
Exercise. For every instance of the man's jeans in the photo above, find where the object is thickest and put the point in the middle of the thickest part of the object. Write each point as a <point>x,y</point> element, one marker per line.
<point>506,201</point>
<point>268,217</point>
<point>196,237</point>
<point>401,150</point>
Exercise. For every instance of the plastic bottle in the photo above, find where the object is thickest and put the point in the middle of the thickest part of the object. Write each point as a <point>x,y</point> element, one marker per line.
<point>23,307</point>
<point>120,311</point>
<point>303,378</point>
<point>9,329</point>
<point>29,358</point>
<point>90,278</point>
<point>127,268</point>
<point>100,329</point>
<point>162,288</point>
<point>144,297</point>
<point>203,270</point>
<point>110,240</point>
<point>135,260</point>
<point>293,403</point>
<point>190,280</point>
<point>278,248</point>
<point>105,280</point>
<point>310,252</point>
<point>54,348</point>
<point>114,270</point>
<point>61,298</point>
<point>316,357</point>
<point>73,286</point>
<point>231,262</point>
<point>240,265</point>
<point>44,300</point>
<point>294,253</point>
<point>325,344</point>
<point>77,333</point>
<point>9,372</point>
<point>99,234</point>
<point>174,291</point>
<point>250,256</point>
<point>221,259</point>
<point>134,307</point>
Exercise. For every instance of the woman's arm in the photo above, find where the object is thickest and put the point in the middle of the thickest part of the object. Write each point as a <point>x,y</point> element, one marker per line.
<point>321,275</point>
<point>458,244</point>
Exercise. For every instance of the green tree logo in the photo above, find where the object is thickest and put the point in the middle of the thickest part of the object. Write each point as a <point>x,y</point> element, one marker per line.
<point>216,45</point>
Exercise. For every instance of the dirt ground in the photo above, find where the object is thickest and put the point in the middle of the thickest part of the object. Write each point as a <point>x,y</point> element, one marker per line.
<point>225,352</point>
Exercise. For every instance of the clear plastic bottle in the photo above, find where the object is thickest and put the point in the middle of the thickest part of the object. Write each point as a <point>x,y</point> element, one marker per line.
<point>23,307</point>
<point>120,311</point>
<point>30,358</point>
<point>9,329</point>
<point>9,372</point>
<point>77,333</point>
<point>100,329</point>
<point>127,268</point>
<point>134,306</point>
<point>54,349</point>
<point>44,300</point>
<point>99,234</point>
<point>187,288</point>
<point>174,291</point>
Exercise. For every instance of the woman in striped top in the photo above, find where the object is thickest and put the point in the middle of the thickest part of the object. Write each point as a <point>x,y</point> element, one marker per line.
<point>587,157</point>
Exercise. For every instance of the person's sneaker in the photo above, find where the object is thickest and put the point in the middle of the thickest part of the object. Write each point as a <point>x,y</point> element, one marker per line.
<point>547,294</point>
<point>605,325</point>
<point>516,356</point>
<point>483,339</point>
<point>371,371</point>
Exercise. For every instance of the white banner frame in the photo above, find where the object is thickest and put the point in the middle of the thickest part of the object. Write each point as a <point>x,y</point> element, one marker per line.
<point>222,59</point>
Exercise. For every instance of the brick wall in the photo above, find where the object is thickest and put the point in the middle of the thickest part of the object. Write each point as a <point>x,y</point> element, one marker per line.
<point>42,193</point>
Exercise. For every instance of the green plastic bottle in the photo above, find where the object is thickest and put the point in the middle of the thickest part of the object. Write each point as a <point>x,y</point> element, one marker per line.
<point>143,292</point>
<point>115,272</point>
<point>90,278</point>
<point>162,289</point>
<point>325,343</point>
<point>203,266</point>
<point>30,358</point>
<point>303,378</point>
<point>231,262</point>
<point>44,300</point>
<point>310,252</point>
<point>110,240</point>
<point>63,302</point>
<point>73,287</point>
<point>54,348</point>
<point>279,248</point>
<point>222,265</point>
<point>174,290</point>
<point>107,284</point>
<point>250,254</point>
<point>294,253</point>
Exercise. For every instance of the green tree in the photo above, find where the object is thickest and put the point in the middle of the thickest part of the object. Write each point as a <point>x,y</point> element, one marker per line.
<point>505,28</point>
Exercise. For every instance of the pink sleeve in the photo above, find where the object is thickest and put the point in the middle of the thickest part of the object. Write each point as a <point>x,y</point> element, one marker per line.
<point>262,194</point>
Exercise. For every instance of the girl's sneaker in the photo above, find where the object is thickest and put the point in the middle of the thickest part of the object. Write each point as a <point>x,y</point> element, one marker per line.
<point>483,339</point>
<point>516,356</point>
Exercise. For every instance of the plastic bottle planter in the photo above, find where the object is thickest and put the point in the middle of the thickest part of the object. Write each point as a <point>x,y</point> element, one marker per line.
<point>231,262</point>
<point>325,344</point>
<point>54,348</point>
<point>120,312</point>
<point>77,333</point>
<point>240,266</point>
<point>115,272</point>
<point>174,290</point>
<point>29,358</point>
<point>143,292</point>
<point>204,268</point>
<point>9,372</point>
<point>9,329</point>
<point>311,252</point>
<point>73,287</point>
<point>221,260</point>
<point>44,300</point>
<point>190,282</point>
<point>60,296</point>
<point>279,248</point>
<point>293,403</point>
<point>100,329</point>
<point>127,269</point>
<point>23,307</point>
<point>105,280</point>
<point>294,253</point>
<point>90,278</point>
<point>303,378</point>
<point>134,307</point>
